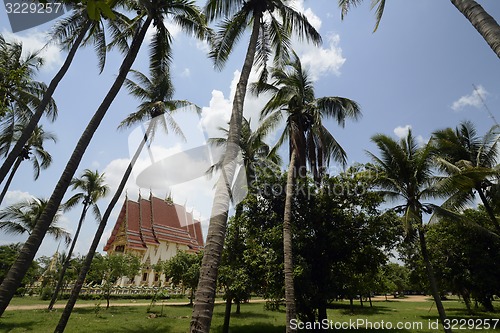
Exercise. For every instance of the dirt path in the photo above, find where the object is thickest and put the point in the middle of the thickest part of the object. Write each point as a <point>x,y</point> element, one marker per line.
<point>411,298</point>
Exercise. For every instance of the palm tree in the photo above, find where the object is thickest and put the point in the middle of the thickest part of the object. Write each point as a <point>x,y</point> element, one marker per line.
<point>483,22</point>
<point>21,218</point>
<point>256,154</point>
<point>405,172</point>
<point>310,142</point>
<point>271,22</point>
<point>20,93</point>
<point>470,163</point>
<point>33,151</point>
<point>70,33</point>
<point>93,188</point>
<point>185,14</point>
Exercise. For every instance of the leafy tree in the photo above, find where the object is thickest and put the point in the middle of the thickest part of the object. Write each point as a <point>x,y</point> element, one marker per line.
<point>8,254</point>
<point>404,171</point>
<point>483,22</point>
<point>272,23</point>
<point>33,151</point>
<point>310,142</point>
<point>183,269</point>
<point>109,268</point>
<point>467,258</point>
<point>93,188</point>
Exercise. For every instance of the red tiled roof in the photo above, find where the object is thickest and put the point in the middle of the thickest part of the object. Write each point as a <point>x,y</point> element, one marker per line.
<point>154,220</point>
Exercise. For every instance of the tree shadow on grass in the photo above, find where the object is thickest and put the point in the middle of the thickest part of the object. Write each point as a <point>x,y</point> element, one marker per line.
<point>25,326</point>
<point>244,315</point>
<point>253,328</point>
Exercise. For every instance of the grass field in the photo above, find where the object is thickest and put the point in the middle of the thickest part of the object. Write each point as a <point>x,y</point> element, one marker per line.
<point>416,316</point>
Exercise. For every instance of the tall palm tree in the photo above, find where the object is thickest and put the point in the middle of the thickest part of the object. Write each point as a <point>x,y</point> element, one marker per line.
<point>310,142</point>
<point>271,23</point>
<point>186,15</point>
<point>19,91</point>
<point>483,22</point>
<point>405,172</point>
<point>72,32</point>
<point>256,154</point>
<point>254,150</point>
<point>470,162</point>
<point>33,150</point>
<point>21,218</point>
<point>93,188</point>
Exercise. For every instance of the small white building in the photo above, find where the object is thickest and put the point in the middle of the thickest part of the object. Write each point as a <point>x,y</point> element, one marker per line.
<point>154,230</point>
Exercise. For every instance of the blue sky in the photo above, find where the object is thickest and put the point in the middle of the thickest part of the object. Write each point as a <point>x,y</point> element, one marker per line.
<point>417,70</point>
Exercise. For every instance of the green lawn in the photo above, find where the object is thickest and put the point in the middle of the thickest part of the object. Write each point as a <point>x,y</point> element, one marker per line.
<point>252,319</point>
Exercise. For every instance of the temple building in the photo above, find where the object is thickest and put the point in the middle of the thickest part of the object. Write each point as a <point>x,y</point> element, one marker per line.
<point>155,230</point>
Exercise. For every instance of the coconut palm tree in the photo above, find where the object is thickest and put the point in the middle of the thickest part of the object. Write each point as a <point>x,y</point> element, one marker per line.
<point>186,15</point>
<point>72,32</point>
<point>254,150</point>
<point>33,150</point>
<point>256,154</point>
<point>271,23</point>
<point>21,218</point>
<point>483,22</point>
<point>405,172</point>
<point>20,93</point>
<point>310,142</point>
<point>470,163</point>
<point>93,188</point>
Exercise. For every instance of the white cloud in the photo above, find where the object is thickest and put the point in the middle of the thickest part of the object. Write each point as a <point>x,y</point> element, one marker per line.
<point>321,61</point>
<point>313,19</point>
<point>402,131</point>
<point>12,197</point>
<point>34,41</point>
<point>473,99</point>
<point>186,73</point>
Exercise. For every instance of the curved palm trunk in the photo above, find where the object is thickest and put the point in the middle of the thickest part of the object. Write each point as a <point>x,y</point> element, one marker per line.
<point>432,279</point>
<point>205,293</point>
<point>488,208</point>
<point>484,23</point>
<point>9,180</point>
<point>287,245</point>
<point>63,321</point>
<point>23,262</point>
<point>68,259</point>
<point>30,127</point>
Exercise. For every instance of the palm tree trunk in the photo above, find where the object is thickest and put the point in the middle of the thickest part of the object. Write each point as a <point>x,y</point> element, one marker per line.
<point>432,279</point>
<point>30,127</point>
<point>63,321</point>
<point>205,293</point>
<point>9,180</point>
<point>488,208</point>
<point>484,23</point>
<point>68,259</point>
<point>23,262</point>
<point>287,245</point>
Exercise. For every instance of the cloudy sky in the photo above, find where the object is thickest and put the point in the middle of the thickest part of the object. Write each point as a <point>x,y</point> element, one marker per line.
<point>426,68</point>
